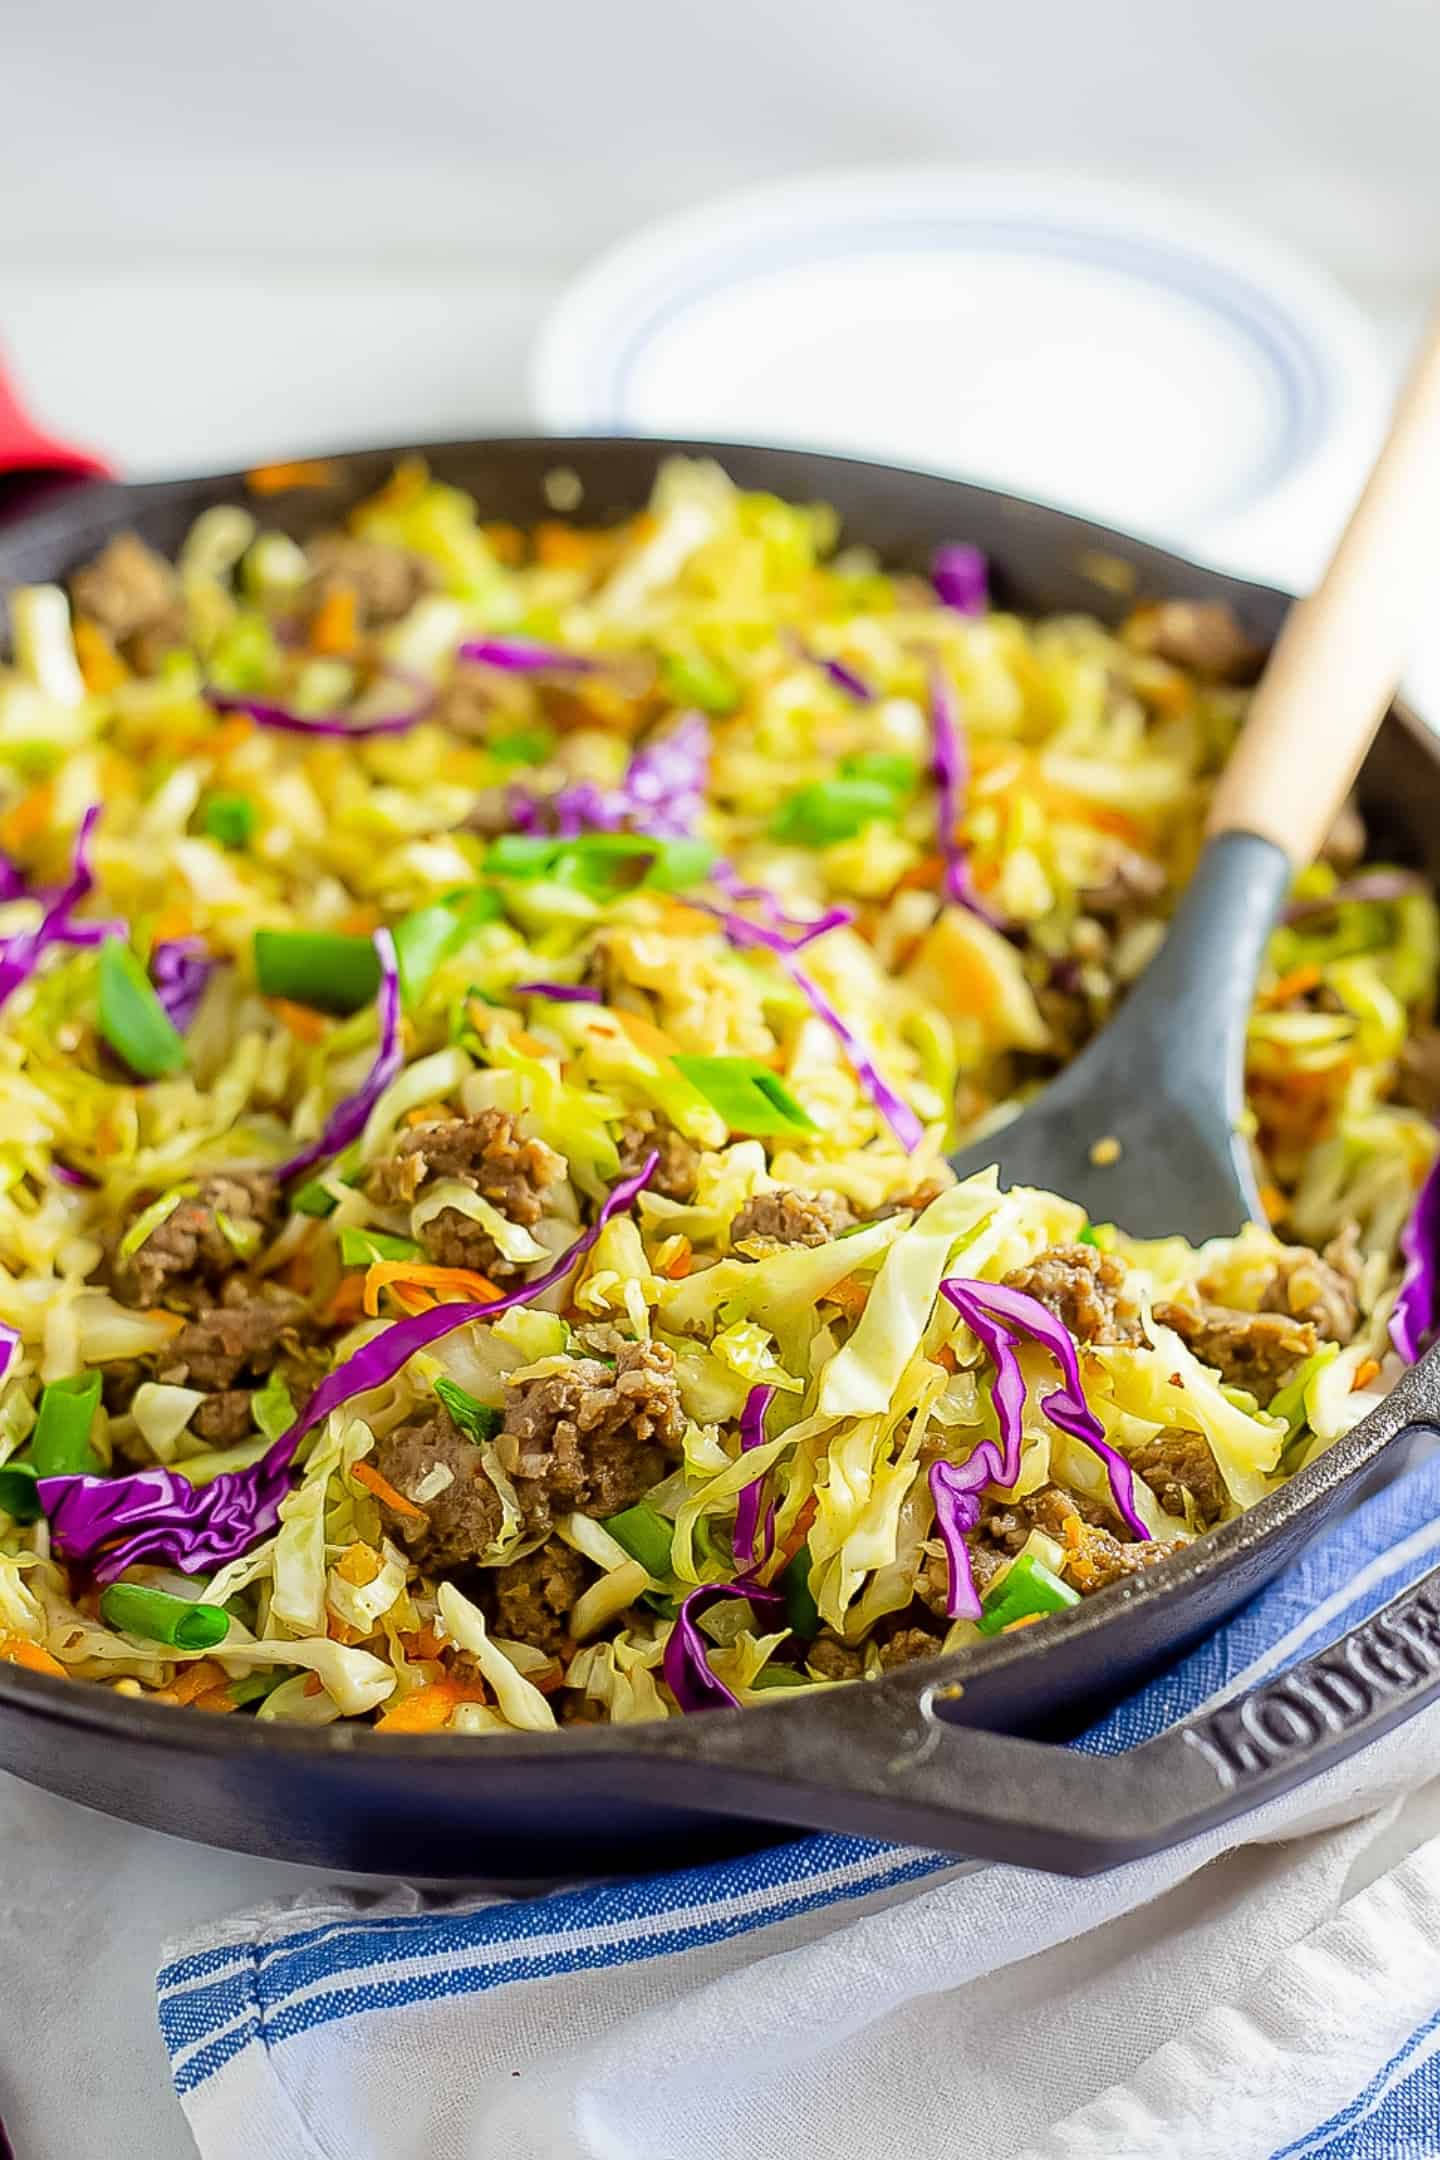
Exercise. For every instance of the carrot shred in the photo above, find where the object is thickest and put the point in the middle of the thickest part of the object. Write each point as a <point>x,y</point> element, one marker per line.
<point>29,817</point>
<point>850,1294</point>
<point>946,1356</point>
<point>1273,1201</point>
<point>171,1322</point>
<point>313,1685</point>
<point>459,1282</point>
<point>562,547</point>
<point>799,1530</point>
<point>175,921</point>
<point>1026,1619</point>
<point>304,1023</point>
<point>217,1699</point>
<point>365,1474</point>
<point>427,1113</point>
<point>360,921</point>
<point>423,1643</point>
<point>100,664</point>
<point>236,729</point>
<point>348,1302</point>
<point>279,478</point>
<point>531,1045</point>
<point>506,543</point>
<point>358,1564</point>
<point>430,1708</point>
<point>1365,1372</point>
<point>192,1681</point>
<point>19,1650</point>
<point>1294,984</point>
<point>680,1262</point>
<point>645,1035</point>
<point>414,1301</point>
<point>336,627</point>
<point>342,1631</point>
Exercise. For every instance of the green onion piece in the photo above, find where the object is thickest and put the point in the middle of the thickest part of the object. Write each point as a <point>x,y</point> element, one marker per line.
<point>422,941</point>
<point>830,810</point>
<point>162,1618</point>
<point>255,1686</point>
<point>802,1614</point>
<point>273,1407</point>
<point>60,1445</point>
<point>17,1492</point>
<point>475,1419</point>
<point>313,1199</point>
<point>889,768</point>
<point>522,746</point>
<point>522,855</point>
<point>680,863</point>
<point>1087,1237</point>
<point>313,967</point>
<point>602,864</point>
<point>230,819</point>
<point>150,1218</point>
<point>780,1676</point>
<point>1026,1587</point>
<point>695,679</point>
<point>749,1097</point>
<point>645,1535</point>
<point>132,1019</point>
<point>359,1247</point>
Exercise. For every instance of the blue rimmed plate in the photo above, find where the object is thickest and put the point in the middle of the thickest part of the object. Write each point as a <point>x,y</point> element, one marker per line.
<point>1081,344</point>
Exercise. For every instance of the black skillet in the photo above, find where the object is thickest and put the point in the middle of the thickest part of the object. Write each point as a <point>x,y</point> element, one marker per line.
<point>926,1754</point>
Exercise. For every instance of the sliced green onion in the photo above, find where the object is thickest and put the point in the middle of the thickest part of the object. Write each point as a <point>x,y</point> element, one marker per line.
<point>335,974</point>
<point>645,1535</point>
<point>830,810</point>
<point>150,1218</point>
<point>522,746</point>
<point>780,1676</point>
<point>358,1248</point>
<point>60,1445</point>
<point>602,864</point>
<point>695,679</point>
<point>421,942</point>
<point>1026,1587</point>
<point>802,1614</point>
<point>1087,1237</point>
<point>17,1492</point>
<point>132,1019</point>
<point>162,1618</point>
<point>749,1097</point>
<point>888,768</point>
<point>255,1686</point>
<point>313,1199</point>
<point>273,1407</point>
<point>475,1419</point>
<point>230,819</point>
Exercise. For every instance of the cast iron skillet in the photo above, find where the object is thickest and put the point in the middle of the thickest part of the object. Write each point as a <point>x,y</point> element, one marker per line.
<point>926,1753</point>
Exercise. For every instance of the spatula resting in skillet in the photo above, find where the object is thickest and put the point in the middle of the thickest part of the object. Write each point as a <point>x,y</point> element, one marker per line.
<point>1144,1128</point>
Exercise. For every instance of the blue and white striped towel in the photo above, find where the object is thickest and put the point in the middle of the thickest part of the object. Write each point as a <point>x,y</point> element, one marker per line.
<point>1262,1992</point>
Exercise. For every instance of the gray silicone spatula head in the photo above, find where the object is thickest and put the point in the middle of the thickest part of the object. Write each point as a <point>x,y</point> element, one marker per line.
<point>1144,1128</point>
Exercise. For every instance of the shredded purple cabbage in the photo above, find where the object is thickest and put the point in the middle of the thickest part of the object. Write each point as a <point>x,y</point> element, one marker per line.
<point>21,954</point>
<point>771,935</point>
<point>180,969</point>
<point>662,793</point>
<point>994,1314</point>
<point>950,767</point>
<point>9,1344</point>
<point>12,884</point>
<point>346,1121</point>
<point>65,1173</point>
<point>1415,1315</point>
<point>198,1527</point>
<point>747,1508</point>
<point>961,578</point>
<point>562,993</point>
<point>896,1112</point>
<point>337,727</point>
<point>1370,885</point>
<point>528,656</point>
<point>844,678</point>
<point>685,1666</point>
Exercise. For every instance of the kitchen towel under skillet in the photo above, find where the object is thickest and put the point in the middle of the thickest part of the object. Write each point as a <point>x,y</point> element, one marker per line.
<point>1240,1997</point>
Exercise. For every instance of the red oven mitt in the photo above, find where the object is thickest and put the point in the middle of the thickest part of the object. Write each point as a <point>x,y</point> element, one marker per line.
<point>27,448</point>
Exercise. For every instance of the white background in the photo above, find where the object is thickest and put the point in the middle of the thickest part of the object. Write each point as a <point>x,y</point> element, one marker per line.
<point>227,233</point>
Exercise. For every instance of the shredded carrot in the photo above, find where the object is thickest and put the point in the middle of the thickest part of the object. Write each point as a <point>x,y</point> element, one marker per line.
<point>358,1564</point>
<point>172,1322</point>
<point>550,1678</point>
<point>563,547</point>
<point>341,1631</point>
<point>313,1685</point>
<point>1026,1619</point>
<point>680,1261</point>
<point>29,817</point>
<point>946,1356</point>
<point>348,1302</point>
<point>414,1301</point>
<point>304,1023</point>
<point>360,921</point>
<point>19,1650</point>
<point>850,1294</point>
<point>100,664</point>
<point>218,1699</point>
<point>428,1113</point>
<point>1273,1201</point>
<point>506,544</point>
<point>192,1681</point>
<point>422,1643</point>
<point>459,1281</point>
<point>175,921</point>
<point>430,1708</point>
<point>645,1035</point>
<point>298,1273</point>
<point>798,1532</point>
<point>365,1474</point>
<point>336,627</point>
<point>531,1045</point>
<point>1365,1372</point>
<point>1295,984</point>
<point>235,729</point>
<point>289,473</point>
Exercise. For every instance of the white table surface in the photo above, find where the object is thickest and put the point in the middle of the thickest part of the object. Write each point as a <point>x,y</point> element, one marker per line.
<point>198,368</point>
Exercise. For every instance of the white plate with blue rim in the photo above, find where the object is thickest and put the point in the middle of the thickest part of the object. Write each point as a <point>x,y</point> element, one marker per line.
<point>1078,343</point>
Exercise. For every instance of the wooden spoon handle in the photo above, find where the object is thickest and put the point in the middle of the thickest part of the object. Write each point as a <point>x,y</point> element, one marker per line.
<point>1339,656</point>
